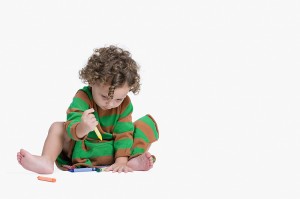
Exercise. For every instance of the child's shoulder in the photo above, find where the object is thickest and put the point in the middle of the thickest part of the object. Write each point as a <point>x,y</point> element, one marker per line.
<point>84,91</point>
<point>127,99</point>
<point>126,102</point>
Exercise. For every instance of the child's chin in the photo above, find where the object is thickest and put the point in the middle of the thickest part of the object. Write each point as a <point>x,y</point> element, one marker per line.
<point>104,108</point>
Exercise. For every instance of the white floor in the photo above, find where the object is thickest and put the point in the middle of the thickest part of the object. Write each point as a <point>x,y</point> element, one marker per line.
<point>220,168</point>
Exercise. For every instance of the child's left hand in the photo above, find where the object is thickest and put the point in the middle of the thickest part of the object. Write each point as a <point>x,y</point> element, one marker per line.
<point>119,166</point>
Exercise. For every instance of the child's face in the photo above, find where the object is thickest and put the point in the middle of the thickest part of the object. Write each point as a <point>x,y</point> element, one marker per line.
<point>100,95</point>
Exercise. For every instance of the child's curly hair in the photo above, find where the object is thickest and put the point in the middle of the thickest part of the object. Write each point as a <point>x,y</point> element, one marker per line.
<point>113,66</point>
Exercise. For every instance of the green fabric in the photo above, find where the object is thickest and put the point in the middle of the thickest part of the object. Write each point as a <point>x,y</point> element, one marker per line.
<point>137,151</point>
<point>120,126</point>
<point>119,141</point>
<point>128,110</point>
<point>146,119</point>
<point>95,149</point>
<point>77,107</point>
<point>123,144</point>
<point>138,133</point>
<point>100,149</point>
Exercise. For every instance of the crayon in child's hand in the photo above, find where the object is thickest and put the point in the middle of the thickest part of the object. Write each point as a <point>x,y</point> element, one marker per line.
<point>98,133</point>
<point>43,178</point>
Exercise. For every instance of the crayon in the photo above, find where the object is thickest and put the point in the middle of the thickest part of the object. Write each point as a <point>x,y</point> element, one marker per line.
<point>85,169</point>
<point>43,178</point>
<point>98,133</point>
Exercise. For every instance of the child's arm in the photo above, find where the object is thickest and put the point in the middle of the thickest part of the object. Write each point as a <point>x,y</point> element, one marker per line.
<point>88,123</point>
<point>76,113</point>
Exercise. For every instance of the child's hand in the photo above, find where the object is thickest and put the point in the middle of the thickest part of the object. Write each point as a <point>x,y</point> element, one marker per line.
<point>119,166</point>
<point>87,124</point>
<point>88,120</point>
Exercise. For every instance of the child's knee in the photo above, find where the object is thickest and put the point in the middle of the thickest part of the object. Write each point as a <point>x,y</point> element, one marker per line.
<point>57,128</point>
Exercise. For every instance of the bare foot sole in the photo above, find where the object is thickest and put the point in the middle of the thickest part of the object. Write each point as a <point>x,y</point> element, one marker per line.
<point>34,163</point>
<point>142,162</point>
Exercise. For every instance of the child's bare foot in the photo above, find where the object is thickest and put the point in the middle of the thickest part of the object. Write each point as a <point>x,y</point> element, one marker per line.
<point>142,162</point>
<point>37,164</point>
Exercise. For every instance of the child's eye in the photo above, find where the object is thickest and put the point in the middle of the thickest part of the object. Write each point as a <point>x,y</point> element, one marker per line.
<point>104,97</point>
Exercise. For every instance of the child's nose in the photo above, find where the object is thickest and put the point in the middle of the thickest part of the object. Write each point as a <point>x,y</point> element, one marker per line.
<point>111,103</point>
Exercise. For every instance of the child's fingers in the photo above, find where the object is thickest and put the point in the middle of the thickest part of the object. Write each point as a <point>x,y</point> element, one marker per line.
<point>108,168</point>
<point>95,123</point>
<point>87,112</point>
<point>128,169</point>
<point>112,168</point>
<point>119,169</point>
<point>91,116</point>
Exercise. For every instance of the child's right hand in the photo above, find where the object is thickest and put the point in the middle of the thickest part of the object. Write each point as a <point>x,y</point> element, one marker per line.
<point>87,124</point>
<point>88,120</point>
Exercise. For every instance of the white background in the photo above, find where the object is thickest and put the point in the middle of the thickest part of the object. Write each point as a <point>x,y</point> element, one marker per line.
<point>220,77</point>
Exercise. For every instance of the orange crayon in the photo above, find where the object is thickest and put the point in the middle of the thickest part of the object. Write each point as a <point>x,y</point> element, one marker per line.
<point>43,178</point>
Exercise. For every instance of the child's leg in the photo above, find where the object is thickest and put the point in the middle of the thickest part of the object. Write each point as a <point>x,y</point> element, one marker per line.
<point>145,133</point>
<point>143,162</point>
<point>53,145</point>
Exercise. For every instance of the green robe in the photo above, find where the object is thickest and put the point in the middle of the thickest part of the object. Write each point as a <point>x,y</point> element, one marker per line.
<point>121,137</point>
